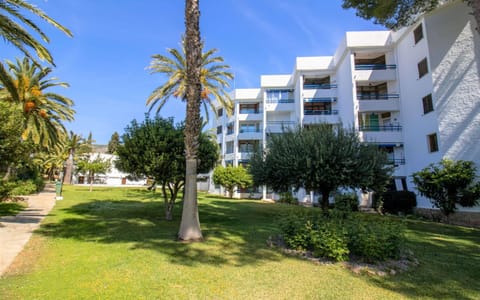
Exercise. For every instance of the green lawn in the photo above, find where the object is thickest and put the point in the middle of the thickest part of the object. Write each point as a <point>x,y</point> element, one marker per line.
<point>114,244</point>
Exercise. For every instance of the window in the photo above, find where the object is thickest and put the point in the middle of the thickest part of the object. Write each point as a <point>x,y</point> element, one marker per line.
<point>317,108</point>
<point>432,142</point>
<point>280,96</point>
<point>219,129</point>
<point>249,108</point>
<point>250,127</point>
<point>220,112</point>
<point>418,33</point>
<point>229,147</point>
<point>422,68</point>
<point>247,146</point>
<point>427,104</point>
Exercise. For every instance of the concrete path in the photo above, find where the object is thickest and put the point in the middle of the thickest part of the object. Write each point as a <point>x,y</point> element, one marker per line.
<point>15,231</point>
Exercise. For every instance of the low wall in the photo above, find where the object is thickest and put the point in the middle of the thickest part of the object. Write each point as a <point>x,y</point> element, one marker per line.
<point>471,219</point>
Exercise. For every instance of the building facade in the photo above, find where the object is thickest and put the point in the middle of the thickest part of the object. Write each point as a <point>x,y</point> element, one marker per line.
<point>414,92</point>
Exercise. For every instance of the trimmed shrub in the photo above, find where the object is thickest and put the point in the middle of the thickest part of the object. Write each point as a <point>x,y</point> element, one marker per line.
<point>395,202</point>
<point>335,238</point>
<point>288,198</point>
<point>375,241</point>
<point>20,187</point>
<point>330,241</point>
<point>346,202</point>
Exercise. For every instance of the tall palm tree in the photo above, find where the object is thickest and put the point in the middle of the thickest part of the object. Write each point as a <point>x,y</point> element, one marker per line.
<point>190,224</point>
<point>74,143</point>
<point>44,112</point>
<point>214,79</point>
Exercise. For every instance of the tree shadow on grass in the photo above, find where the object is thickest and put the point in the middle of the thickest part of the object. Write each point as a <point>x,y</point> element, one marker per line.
<point>235,232</point>
<point>449,258</point>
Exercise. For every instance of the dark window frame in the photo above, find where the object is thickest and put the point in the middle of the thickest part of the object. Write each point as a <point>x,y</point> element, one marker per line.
<point>432,141</point>
<point>427,103</point>
<point>418,34</point>
<point>422,67</point>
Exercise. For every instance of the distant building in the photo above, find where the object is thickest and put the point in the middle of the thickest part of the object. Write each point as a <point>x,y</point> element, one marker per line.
<point>414,92</point>
<point>113,177</point>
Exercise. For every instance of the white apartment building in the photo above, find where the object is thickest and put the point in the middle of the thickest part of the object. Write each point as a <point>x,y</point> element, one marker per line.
<point>414,92</point>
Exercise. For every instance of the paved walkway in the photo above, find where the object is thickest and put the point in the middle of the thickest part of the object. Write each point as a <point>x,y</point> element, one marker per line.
<point>15,231</point>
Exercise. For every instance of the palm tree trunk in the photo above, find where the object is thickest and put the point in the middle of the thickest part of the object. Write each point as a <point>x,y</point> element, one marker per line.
<point>67,177</point>
<point>190,224</point>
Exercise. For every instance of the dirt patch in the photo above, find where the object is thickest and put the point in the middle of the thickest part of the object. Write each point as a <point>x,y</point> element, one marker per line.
<point>405,262</point>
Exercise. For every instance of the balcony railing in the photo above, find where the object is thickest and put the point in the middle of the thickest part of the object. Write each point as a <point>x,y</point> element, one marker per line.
<point>396,161</point>
<point>317,100</point>
<point>321,112</point>
<point>246,130</point>
<point>280,100</point>
<point>377,96</point>
<point>284,123</point>
<point>375,67</point>
<point>323,86</point>
<point>250,111</point>
<point>381,128</point>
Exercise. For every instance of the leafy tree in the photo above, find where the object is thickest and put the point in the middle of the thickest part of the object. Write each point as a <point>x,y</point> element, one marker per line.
<point>230,177</point>
<point>320,158</point>
<point>113,143</point>
<point>449,183</point>
<point>90,166</point>
<point>396,14</point>
<point>43,111</point>
<point>155,149</point>
<point>12,148</point>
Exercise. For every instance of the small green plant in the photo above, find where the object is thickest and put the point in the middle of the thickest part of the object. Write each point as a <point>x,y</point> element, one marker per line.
<point>346,202</point>
<point>330,241</point>
<point>333,237</point>
<point>288,198</point>
<point>375,241</point>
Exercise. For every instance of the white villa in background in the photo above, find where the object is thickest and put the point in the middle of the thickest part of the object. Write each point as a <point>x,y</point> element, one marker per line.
<point>414,92</point>
<point>113,177</point>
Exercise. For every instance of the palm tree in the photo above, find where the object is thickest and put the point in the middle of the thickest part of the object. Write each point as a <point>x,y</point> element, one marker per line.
<point>43,111</point>
<point>12,28</point>
<point>190,224</point>
<point>214,79</point>
<point>73,144</point>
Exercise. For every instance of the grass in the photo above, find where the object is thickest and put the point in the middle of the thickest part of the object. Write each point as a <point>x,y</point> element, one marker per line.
<point>11,208</point>
<point>114,243</point>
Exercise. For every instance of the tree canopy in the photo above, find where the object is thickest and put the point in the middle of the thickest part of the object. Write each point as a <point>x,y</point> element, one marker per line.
<point>400,13</point>
<point>320,158</point>
<point>155,148</point>
<point>449,183</point>
<point>113,143</point>
<point>230,177</point>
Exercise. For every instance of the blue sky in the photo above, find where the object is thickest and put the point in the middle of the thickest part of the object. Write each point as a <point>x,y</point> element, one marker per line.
<point>105,62</point>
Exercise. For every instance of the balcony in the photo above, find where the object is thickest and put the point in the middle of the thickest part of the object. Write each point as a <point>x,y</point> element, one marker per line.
<point>320,112</point>
<point>383,102</point>
<point>375,72</point>
<point>319,93</point>
<point>381,134</point>
<point>279,126</point>
<point>279,104</point>
<point>323,86</point>
<point>250,115</point>
<point>396,161</point>
<point>248,134</point>
<point>320,116</point>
